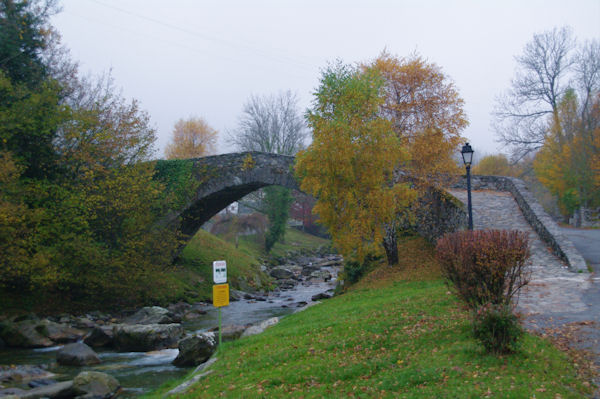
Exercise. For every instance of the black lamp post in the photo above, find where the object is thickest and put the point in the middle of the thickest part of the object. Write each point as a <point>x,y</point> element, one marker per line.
<point>467,155</point>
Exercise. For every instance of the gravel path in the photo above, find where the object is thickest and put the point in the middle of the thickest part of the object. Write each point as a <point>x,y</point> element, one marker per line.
<point>556,300</point>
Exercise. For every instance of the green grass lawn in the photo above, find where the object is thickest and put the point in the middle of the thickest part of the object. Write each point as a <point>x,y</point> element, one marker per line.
<point>397,333</point>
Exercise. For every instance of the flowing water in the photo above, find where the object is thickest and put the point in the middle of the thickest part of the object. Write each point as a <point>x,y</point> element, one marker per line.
<point>140,372</point>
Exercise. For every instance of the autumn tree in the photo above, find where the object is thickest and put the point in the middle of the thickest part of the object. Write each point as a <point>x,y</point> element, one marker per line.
<point>350,163</point>
<point>271,124</point>
<point>426,113</point>
<point>78,198</point>
<point>565,163</point>
<point>192,138</point>
<point>496,165</point>
<point>548,111</point>
<point>427,116</point>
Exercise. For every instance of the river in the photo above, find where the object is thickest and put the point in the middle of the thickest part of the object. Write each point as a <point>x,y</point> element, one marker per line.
<point>140,372</point>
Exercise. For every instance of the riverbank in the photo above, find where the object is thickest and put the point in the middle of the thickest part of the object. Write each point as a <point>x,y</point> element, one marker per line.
<point>397,332</point>
<point>140,349</point>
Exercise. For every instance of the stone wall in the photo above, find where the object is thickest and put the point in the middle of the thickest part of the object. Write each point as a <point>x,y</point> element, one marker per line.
<point>438,213</point>
<point>533,212</point>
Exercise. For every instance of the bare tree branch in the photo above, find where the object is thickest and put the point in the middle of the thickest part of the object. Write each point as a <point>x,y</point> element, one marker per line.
<point>520,115</point>
<point>270,124</point>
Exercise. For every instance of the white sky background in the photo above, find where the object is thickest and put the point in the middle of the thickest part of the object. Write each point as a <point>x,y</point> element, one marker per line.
<point>184,58</point>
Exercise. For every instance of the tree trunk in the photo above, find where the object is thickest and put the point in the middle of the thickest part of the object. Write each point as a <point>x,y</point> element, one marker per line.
<point>390,244</point>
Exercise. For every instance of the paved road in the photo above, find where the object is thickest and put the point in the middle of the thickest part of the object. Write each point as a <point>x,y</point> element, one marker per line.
<point>556,298</point>
<point>588,244</point>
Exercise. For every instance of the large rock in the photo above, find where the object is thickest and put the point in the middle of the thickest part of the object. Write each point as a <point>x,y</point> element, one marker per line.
<point>93,384</point>
<point>24,334</point>
<point>195,350</point>
<point>11,393</point>
<point>259,328</point>
<point>146,337</point>
<point>179,307</point>
<point>320,275</point>
<point>281,274</point>
<point>151,315</point>
<point>100,336</point>
<point>60,333</point>
<point>23,373</point>
<point>58,390</point>
<point>77,354</point>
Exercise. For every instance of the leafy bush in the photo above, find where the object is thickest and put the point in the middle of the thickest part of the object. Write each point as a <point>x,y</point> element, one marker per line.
<point>485,266</point>
<point>497,328</point>
<point>353,271</point>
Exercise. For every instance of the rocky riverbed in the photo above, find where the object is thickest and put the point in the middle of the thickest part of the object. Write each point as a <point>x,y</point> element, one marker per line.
<point>133,352</point>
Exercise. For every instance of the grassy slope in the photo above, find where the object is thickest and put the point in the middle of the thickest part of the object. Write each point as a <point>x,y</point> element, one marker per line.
<point>194,271</point>
<point>397,333</point>
<point>295,240</point>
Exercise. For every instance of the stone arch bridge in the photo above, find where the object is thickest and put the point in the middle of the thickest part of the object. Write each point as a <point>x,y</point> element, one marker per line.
<point>224,179</point>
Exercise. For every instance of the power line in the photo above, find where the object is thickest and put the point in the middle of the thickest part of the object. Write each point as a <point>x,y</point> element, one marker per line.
<point>158,38</point>
<point>282,58</point>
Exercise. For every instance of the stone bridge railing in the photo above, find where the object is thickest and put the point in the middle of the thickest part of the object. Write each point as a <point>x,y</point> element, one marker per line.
<point>535,215</point>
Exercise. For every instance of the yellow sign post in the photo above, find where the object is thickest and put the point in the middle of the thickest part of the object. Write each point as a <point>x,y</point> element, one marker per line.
<point>220,299</point>
<point>220,295</point>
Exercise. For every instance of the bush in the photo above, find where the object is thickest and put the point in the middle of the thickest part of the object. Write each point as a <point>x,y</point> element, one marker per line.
<point>497,328</point>
<point>353,271</point>
<point>485,266</point>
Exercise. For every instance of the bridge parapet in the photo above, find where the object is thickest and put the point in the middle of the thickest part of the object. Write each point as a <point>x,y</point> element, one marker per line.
<point>534,213</point>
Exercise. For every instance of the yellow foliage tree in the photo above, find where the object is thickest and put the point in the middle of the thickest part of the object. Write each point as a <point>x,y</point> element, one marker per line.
<point>192,138</point>
<point>426,113</point>
<point>349,165</point>
<point>496,165</point>
<point>565,164</point>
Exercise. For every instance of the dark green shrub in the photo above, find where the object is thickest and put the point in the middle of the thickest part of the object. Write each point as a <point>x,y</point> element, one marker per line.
<point>497,328</point>
<point>353,271</point>
<point>485,266</point>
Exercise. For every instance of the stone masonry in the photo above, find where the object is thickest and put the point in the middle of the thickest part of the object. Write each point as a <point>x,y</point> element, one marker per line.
<point>553,287</point>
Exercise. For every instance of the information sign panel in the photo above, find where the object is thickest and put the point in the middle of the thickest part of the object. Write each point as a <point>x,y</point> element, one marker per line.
<point>220,295</point>
<point>220,272</point>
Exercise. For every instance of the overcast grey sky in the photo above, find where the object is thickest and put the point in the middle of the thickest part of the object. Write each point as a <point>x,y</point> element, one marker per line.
<point>205,58</point>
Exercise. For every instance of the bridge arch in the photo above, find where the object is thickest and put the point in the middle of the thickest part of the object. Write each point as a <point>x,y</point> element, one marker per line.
<point>224,179</point>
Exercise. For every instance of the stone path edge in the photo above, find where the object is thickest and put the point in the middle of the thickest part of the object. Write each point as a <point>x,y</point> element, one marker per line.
<point>535,215</point>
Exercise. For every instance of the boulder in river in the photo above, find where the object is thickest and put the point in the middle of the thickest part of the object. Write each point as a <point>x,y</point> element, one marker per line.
<point>11,393</point>
<point>146,337</point>
<point>195,350</point>
<point>93,384</point>
<point>23,373</point>
<point>179,307</point>
<point>281,273</point>
<point>24,334</point>
<point>60,333</point>
<point>77,354</point>
<point>100,336</point>
<point>59,390</point>
<point>320,275</point>
<point>151,315</point>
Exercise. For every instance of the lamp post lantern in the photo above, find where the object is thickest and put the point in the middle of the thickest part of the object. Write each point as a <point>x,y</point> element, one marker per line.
<point>467,155</point>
